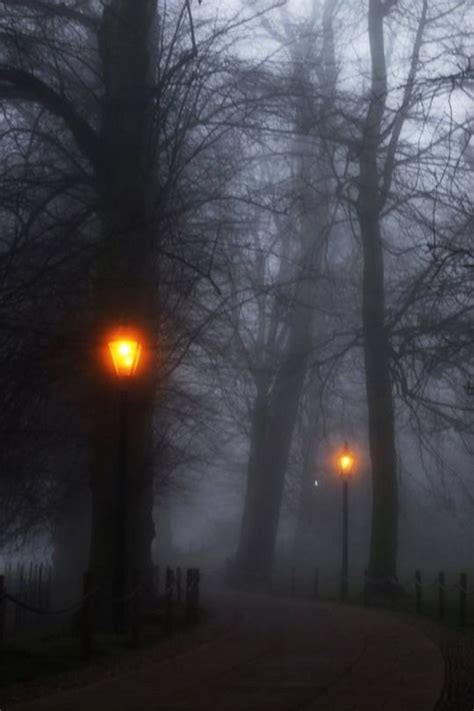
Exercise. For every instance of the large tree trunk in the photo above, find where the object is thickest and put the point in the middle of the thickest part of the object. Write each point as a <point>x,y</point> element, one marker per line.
<point>276,408</point>
<point>123,293</point>
<point>248,570</point>
<point>270,453</point>
<point>70,540</point>
<point>383,549</point>
<point>306,522</point>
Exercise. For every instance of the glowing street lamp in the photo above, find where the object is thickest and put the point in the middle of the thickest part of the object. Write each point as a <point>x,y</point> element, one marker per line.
<point>125,352</point>
<point>346,461</point>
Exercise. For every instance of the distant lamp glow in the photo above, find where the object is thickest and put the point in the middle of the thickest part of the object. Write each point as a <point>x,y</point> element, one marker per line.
<point>125,354</point>
<point>316,483</point>
<point>346,461</point>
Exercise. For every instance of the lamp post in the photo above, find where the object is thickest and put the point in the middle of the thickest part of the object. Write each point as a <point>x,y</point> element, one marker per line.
<point>346,463</point>
<point>125,353</point>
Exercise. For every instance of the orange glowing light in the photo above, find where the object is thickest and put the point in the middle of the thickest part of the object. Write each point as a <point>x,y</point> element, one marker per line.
<point>125,354</point>
<point>346,461</point>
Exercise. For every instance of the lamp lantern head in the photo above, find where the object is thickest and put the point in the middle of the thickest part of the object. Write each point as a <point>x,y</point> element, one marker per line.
<point>346,461</point>
<point>125,352</point>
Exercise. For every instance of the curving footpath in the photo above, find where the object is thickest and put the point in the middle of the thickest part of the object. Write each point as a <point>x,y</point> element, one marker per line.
<point>280,655</point>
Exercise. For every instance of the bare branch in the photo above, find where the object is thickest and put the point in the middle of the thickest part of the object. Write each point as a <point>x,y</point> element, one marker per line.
<point>16,84</point>
<point>56,10</point>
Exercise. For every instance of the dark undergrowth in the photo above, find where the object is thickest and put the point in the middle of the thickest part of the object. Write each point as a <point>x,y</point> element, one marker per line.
<point>38,665</point>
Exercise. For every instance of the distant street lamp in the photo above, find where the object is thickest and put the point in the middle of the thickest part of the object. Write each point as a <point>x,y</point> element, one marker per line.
<point>125,352</point>
<point>346,461</point>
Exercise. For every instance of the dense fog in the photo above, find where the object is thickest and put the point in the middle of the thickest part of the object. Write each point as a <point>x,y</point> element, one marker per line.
<point>275,200</point>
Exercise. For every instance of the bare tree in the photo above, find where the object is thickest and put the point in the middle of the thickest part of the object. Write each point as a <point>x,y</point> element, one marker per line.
<point>130,104</point>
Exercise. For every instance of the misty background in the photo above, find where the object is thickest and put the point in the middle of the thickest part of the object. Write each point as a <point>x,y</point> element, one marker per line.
<point>286,202</point>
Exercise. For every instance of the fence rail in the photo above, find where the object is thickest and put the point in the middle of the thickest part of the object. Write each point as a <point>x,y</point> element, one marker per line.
<point>436,591</point>
<point>17,602</point>
<point>28,587</point>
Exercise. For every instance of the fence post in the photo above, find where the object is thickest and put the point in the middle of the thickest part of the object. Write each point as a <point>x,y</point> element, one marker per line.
<point>169,582</point>
<point>3,608</point>
<point>441,580</point>
<point>179,585</point>
<point>20,616</point>
<point>40,619</point>
<point>192,595</point>
<point>365,588</point>
<point>197,578</point>
<point>32,594</point>
<point>189,584</point>
<point>27,596</point>
<point>40,585</point>
<point>316,584</point>
<point>462,599</point>
<point>48,588</point>
<point>418,592</point>
<point>292,582</point>
<point>86,623</point>
<point>136,611</point>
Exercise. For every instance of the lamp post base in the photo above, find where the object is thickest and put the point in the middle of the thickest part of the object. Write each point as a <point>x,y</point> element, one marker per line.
<point>345,540</point>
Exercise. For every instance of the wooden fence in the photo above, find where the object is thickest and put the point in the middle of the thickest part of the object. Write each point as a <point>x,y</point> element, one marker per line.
<point>432,596</point>
<point>30,583</point>
<point>25,604</point>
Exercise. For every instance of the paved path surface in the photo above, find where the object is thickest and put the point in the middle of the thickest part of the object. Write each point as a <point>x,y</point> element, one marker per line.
<point>280,656</point>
